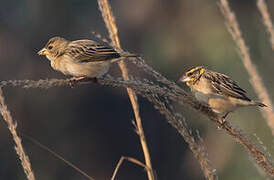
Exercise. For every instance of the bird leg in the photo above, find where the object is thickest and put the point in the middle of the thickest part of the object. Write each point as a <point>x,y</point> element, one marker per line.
<point>225,115</point>
<point>74,80</point>
<point>222,121</point>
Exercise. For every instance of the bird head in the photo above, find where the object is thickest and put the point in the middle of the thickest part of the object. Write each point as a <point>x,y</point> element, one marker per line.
<point>54,48</point>
<point>193,75</point>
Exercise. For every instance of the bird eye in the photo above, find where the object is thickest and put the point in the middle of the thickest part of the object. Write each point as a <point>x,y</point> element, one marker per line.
<point>190,74</point>
<point>50,47</point>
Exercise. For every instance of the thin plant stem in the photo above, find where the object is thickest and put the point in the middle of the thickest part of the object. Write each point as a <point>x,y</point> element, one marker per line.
<point>130,159</point>
<point>179,123</point>
<point>58,156</point>
<point>266,20</point>
<point>255,79</point>
<point>113,33</point>
<point>25,162</point>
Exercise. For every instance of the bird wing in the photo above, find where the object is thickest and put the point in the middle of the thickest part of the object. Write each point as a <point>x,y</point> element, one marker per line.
<point>224,85</point>
<point>90,51</point>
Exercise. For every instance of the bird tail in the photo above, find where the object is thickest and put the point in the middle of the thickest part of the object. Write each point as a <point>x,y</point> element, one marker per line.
<point>259,104</point>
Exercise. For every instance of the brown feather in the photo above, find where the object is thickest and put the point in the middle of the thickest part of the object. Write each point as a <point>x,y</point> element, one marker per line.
<point>224,85</point>
<point>90,51</point>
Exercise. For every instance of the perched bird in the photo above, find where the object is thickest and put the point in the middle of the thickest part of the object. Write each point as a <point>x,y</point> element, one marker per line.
<point>81,58</point>
<point>217,90</point>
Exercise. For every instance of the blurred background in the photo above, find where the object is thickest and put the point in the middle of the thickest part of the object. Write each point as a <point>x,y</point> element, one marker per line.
<point>90,125</point>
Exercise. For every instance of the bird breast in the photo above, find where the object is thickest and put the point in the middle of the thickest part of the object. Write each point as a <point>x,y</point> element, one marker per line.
<point>219,104</point>
<point>204,93</point>
<point>68,66</point>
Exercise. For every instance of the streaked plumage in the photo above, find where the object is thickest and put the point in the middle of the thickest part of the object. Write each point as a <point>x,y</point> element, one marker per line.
<point>80,58</point>
<point>217,90</point>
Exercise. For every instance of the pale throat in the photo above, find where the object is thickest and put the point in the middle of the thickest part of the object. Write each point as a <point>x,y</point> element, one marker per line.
<point>49,57</point>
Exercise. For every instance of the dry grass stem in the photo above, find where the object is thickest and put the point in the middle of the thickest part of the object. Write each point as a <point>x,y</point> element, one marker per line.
<point>179,123</point>
<point>255,78</point>
<point>25,162</point>
<point>266,20</point>
<point>58,156</point>
<point>260,170</point>
<point>175,94</point>
<point>113,33</point>
<point>130,159</point>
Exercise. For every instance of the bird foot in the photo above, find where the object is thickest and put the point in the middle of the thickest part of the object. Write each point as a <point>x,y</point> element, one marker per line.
<point>222,122</point>
<point>74,80</point>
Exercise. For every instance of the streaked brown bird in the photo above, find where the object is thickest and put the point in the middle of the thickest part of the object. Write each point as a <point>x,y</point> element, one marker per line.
<point>81,58</point>
<point>217,90</point>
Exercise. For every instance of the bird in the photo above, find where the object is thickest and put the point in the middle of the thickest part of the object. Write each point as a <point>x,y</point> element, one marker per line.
<point>218,91</point>
<point>82,59</point>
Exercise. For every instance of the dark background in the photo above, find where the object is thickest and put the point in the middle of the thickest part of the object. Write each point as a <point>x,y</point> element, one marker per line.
<point>90,125</point>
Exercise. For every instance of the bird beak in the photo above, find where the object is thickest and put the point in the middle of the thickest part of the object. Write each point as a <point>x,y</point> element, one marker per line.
<point>184,79</point>
<point>43,52</point>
